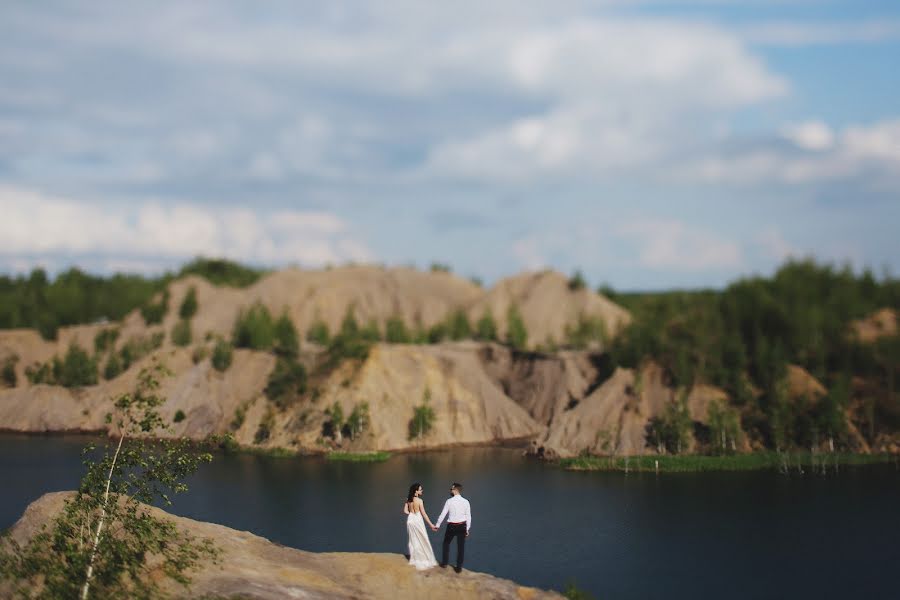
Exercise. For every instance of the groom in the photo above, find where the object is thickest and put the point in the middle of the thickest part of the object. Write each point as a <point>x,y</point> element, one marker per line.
<point>459,522</point>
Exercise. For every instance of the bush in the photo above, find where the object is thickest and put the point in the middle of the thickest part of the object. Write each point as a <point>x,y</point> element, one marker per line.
<point>222,272</point>
<point>437,333</point>
<point>334,423</point>
<point>138,347</point>
<point>77,368</point>
<point>254,329</point>
<point>153,312</point>
<point>286,380</point>
<point>240,414</point>
<point>577,282</point>
<point>287,342</point>
<point>264,430</point>
<point>371,332</point>
<point>199,355</point>
<point>516,334</point>
<point>458,327</point>
<point>486,328</point>
<point>8,375</point>
<point>349,325</point>
<point>396,331</point>
<point>188,306</point>
<point>181,333</point>
<point>423,417</point>
<point>589,330</point>
<point>221,355</point>
<point>113,367</point>
<point>358,421</point>
<point>437,267</point>
<point>318,333</point>
<point>105,339</point>
<point>179,416</point>
<point>39,373</point>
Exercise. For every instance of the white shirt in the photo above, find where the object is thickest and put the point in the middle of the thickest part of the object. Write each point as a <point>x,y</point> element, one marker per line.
<point>457,510</point>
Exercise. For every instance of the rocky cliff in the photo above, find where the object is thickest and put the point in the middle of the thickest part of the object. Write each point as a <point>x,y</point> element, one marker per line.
<point>253,567</point>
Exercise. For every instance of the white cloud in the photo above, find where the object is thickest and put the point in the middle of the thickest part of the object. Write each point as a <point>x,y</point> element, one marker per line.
<point>787,33</point>
<point>671,244</point>
<point>38,225</point>
<point>810,135</point>
<point>773,244</point>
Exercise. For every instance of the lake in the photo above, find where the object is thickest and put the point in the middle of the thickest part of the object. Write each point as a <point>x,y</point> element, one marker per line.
<point>720,535</point>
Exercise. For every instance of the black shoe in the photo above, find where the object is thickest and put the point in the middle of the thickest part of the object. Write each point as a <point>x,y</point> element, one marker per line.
<point>457,569</point>
<point>444,566</point>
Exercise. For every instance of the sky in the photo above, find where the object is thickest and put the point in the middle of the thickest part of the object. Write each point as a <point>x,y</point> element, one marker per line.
<point>650,144</point>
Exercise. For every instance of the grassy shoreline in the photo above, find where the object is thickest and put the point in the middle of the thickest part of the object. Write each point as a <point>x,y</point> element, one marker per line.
<point>737,462</point>
<point>358,457</point>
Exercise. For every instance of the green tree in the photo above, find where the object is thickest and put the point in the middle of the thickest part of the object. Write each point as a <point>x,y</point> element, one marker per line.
<point>188,306</point>
<point>77,369</point>
<point>458,327</point>
<point>221,355</point>
<point>105,339</point>
<point>423,417</point>
<point>153,312</point>
<point>254,328</point>
<point>318,333</point>
<point>486,328</point>
<point>349,325</point>
<point>113,367</point>
<point>287,342</point>
<point>358,421</point>
<point>181,333</point>
<point>833,411</point>
<point>577,282</point>
<point>516,334</point>
<point>8,375</point>
<point>673,429</point>
<point>287,379</point>
<point>222,272</point>
<point>724,426</point>
<point>99,546</point>
<point>396,331</point>
<point>334,424</point>
<point>370,333</point>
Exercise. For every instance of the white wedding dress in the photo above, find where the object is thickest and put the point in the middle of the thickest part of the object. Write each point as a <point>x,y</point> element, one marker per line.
<point>421,556</point>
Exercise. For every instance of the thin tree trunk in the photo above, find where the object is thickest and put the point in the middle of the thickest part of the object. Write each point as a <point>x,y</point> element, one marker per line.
<point>96,543</point>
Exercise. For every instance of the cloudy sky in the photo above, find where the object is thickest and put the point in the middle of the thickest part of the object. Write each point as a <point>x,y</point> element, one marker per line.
<point>651,144</point>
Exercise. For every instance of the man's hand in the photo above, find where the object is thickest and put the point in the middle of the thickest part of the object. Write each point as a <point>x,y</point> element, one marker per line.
<point>467,534</point>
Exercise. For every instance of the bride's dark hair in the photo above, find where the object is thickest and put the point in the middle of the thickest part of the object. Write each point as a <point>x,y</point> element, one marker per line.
<point>412,491</point>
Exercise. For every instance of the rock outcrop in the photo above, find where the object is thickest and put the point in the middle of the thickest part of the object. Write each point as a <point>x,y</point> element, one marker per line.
<point>253,567</point>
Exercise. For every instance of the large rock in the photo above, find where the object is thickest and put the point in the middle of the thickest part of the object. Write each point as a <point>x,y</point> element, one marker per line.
<point>253,567</point>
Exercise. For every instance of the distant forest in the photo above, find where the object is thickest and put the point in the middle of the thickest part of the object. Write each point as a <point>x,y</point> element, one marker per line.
<point>741,338</point>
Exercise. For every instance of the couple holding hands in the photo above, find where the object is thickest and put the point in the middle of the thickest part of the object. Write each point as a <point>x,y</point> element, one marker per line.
<point>459,522</point>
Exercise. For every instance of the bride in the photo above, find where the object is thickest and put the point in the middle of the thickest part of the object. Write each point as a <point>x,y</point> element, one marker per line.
<point>421,556</point>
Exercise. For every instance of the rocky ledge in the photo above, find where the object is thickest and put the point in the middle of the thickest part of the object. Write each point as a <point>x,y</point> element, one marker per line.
<point>253,567</point>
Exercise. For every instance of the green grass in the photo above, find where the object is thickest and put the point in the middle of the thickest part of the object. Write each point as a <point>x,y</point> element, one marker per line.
<point>358,456</point>
<point>736,462</point>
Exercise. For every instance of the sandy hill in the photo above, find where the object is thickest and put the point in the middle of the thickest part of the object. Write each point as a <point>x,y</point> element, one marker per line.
<point>253,567</point>
<point>881,323</point>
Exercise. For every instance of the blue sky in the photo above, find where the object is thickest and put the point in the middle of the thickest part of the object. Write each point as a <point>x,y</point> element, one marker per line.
<point>650,144</point>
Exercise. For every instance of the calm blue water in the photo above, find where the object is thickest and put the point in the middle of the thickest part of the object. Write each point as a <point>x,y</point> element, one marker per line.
<point>729,535</point>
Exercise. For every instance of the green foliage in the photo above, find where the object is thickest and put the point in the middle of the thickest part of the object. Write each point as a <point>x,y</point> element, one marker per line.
<point>100,544</point>
<point>8,373</point>
<point>516,334</point>
<point>359,457</point>
<point>221,355</point>
<point>486,328</point>
<point>396,331</point>
<point>437,333</point>
<point>437,267</point>
<point>254,328</point>
<point>572,592</point>
<point>577,282</point>
<point>139,346</point>
<point>266,425</point>
<point>370,333</point>
<point>358,421</point>
<point>287,380</point>
<point>105,339</point>
<point>673,430</point>
<point>423,417</point>
<point>222,272</point>
<point>154,311</point>
<point>73,297</point>
<point>349,325</point>
<point>240,415</point>
<point>832,409</point>
<point>458,327</point>
<point>318,333</point>
<point>684,463</point>
<point>181,333</point>
<point>588,331</point>
<point>724,426</point>
<point>188,306</point>
<point>287,342</point>
<point>113,367</point>
<point>199,354</point>
<point>76,369</point>
<point>179,416</point>
<point>334,423</point>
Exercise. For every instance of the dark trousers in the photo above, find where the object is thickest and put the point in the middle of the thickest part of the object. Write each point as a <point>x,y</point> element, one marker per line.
<point>458,531</point>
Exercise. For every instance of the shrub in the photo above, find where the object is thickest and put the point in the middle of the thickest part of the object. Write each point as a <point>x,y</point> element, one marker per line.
<point>334,423</point>
<point>588,330</point>
<point>188,306</point>
<point>254,328</point>
<point>349,325</point>
<point>138,347</point>
<point>113,367</point>
<point>577,282</point>
<point>358,421</point>
<point>240,414</point>
<point>458,327</point>
<point>486,328</point>
<point>423,417</point>
<point>40,373</point>
<point>287,342</point>
<point>199,355</point>
<point>266,425</point>
<point>516,334</point>
<point>77,369</point>
<point>181,333</point>
<point>105,339</point>
<point>8,375</point>
<point>437,333</point>
<point>179,416</point>
<point>286,380</point>
<point>318,333</point>
<point>221,355</point>
<point>153,312</point>
<point>222,272</point>
<point>346,347</point>
<point>371,332</point>
<point>437,267</point>
<point>396,331</point>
